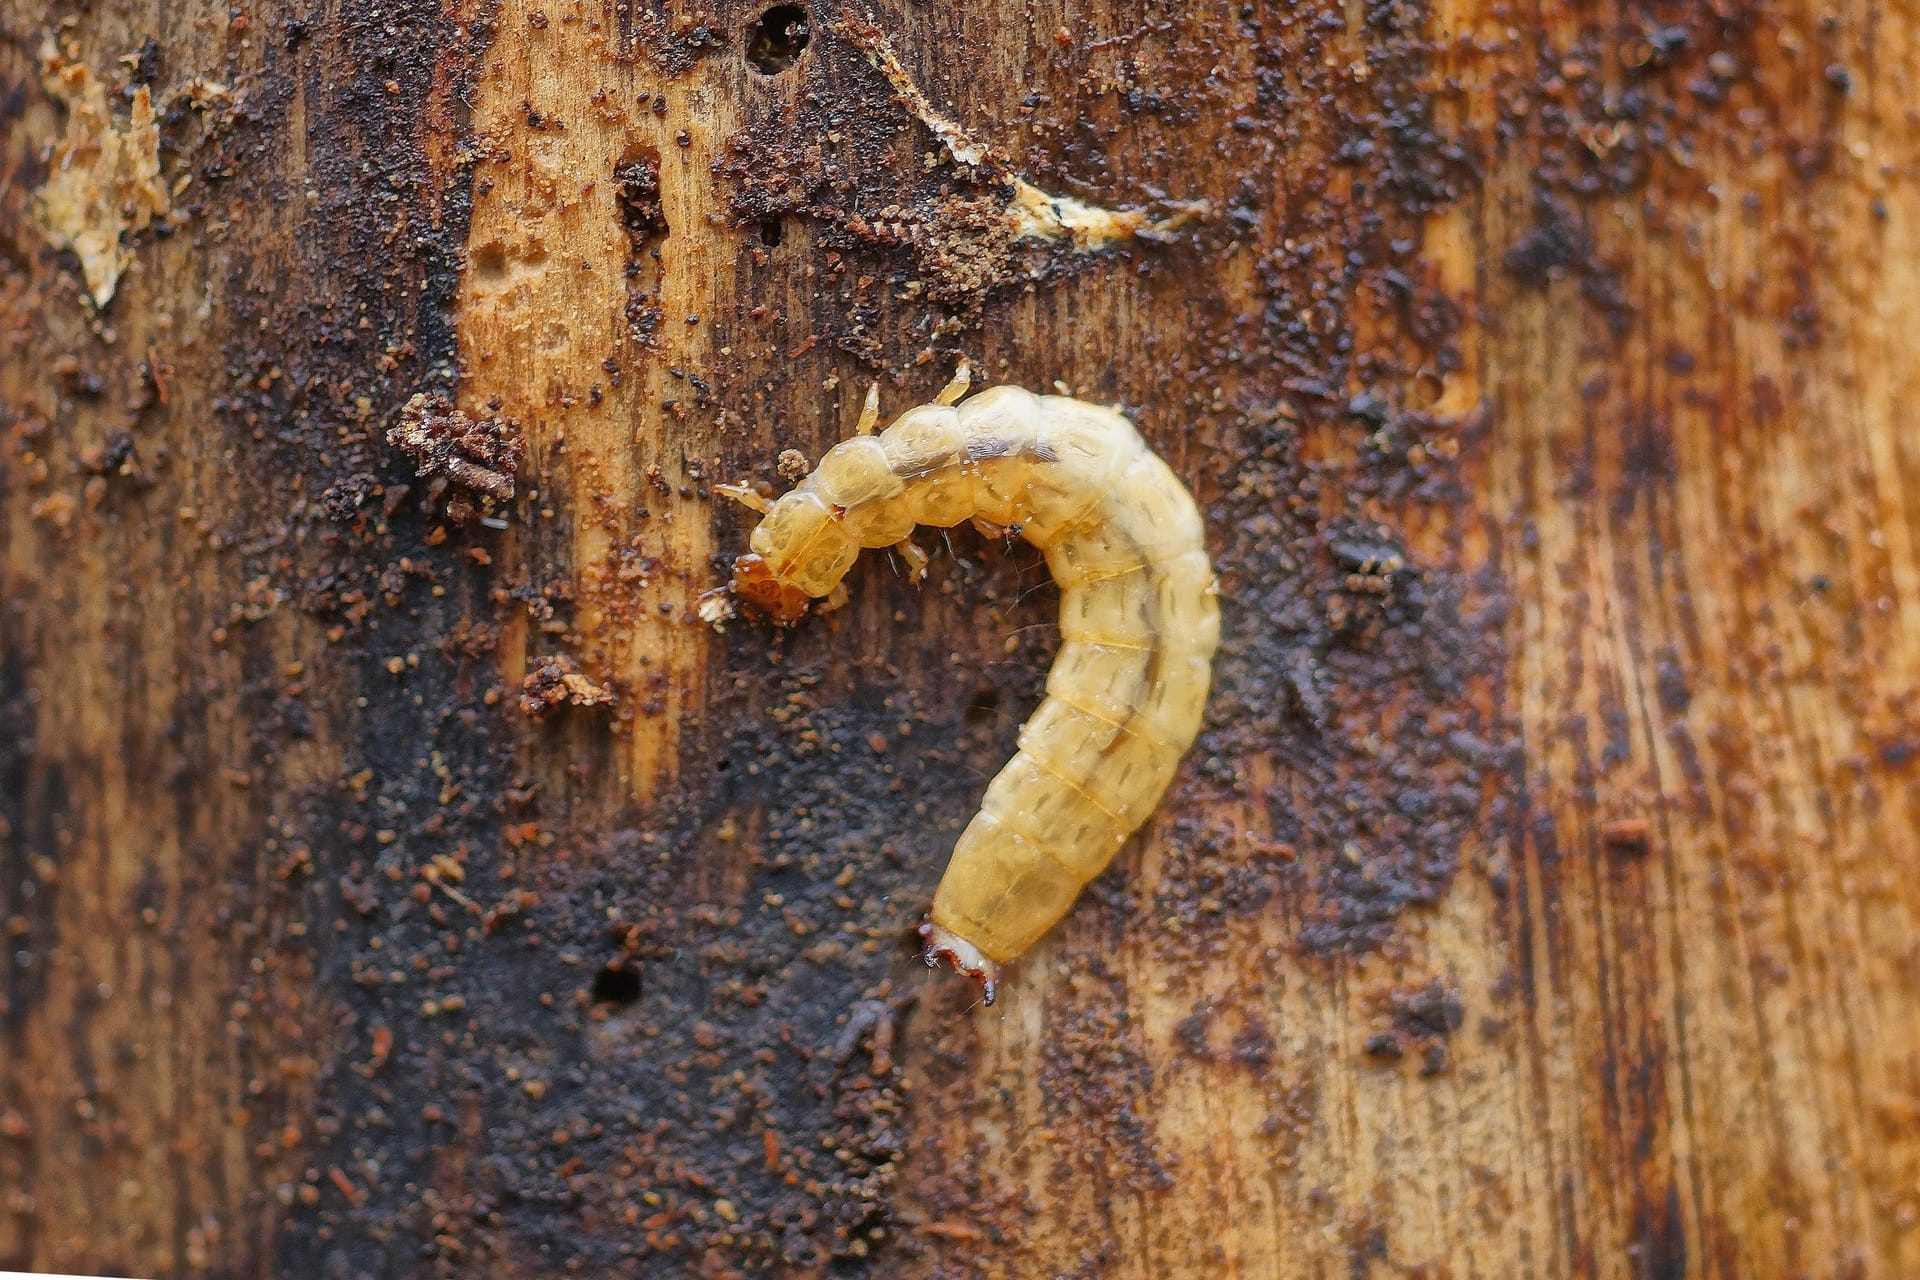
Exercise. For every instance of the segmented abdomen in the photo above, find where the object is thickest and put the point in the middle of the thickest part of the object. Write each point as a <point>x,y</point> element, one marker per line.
<point>1138,620</point>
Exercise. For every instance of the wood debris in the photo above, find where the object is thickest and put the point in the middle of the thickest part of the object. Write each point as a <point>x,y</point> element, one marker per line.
<point>555,682</point>
<point>1031,214</point>
<point>477,455</point>
<point>103,181</point>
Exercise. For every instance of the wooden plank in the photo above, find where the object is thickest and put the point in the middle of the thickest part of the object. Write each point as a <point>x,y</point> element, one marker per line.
<point>1538,900</point>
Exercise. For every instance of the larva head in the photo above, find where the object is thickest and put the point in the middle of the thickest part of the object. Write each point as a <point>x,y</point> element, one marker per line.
<point>797,554</point>
<point>754,582</point>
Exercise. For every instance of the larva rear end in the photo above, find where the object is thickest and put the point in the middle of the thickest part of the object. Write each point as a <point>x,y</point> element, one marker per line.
<point>1139,625</point>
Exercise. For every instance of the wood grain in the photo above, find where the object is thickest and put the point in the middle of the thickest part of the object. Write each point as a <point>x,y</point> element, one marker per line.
<point>1539,899</point>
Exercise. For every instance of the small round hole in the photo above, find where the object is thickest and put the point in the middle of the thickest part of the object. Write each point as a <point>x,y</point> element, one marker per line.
<point>777,39</point>
<point>616,984</point>
<point>771,232</point>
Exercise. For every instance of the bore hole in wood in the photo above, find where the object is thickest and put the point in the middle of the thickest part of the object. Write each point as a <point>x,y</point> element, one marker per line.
<point>616,984</point>
<point>777,39</point>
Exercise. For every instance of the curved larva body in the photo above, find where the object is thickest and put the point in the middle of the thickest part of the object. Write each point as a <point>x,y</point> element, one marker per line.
<point>1138,622</point>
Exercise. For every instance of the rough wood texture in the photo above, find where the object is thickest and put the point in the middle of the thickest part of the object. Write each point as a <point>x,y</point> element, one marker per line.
<point>1539,900</point>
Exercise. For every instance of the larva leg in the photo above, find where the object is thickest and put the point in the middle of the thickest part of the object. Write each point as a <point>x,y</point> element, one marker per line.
<point>869,412</point>
<point>962,379</point>
<point>917,560</point>
<point>741,494</point>
<point>989,530</point>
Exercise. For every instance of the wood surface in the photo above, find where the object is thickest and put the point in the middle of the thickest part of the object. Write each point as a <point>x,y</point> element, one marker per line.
<point>1540,899</point>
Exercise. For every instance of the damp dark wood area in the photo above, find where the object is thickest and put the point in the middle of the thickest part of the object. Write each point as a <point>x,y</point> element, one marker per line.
<point>398,878</point>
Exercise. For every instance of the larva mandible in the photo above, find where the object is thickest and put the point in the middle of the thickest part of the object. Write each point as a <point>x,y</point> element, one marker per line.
<point>1139,623</point>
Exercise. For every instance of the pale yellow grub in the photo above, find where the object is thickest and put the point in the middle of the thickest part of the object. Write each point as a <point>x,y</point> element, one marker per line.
<point>1139,624</point>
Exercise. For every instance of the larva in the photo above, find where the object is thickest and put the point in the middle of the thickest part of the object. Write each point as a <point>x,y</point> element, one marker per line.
<point>1139,623</point>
